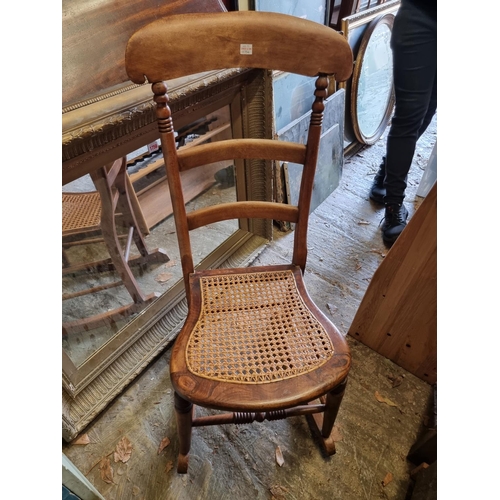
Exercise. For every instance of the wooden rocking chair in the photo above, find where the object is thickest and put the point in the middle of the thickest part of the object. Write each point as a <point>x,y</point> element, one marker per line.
<point>254,344</point>
<point>92,213</point>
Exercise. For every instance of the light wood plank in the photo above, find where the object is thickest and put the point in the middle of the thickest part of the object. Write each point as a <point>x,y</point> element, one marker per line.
<point>398,314</point>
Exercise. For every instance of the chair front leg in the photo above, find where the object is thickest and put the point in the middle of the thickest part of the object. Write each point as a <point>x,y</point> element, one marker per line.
<point>333,400</point>
<point>184,414</point>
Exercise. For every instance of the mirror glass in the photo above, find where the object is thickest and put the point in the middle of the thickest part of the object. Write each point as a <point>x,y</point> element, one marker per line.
<point>94,296</point>
<point>375,81</point>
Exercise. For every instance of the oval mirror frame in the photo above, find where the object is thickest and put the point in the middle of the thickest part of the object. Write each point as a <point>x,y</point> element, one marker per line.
<point>364,134</point>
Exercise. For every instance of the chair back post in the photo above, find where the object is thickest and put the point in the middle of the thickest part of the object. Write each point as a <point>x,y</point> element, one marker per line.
<point>308,172</point>
<point>167,138</point>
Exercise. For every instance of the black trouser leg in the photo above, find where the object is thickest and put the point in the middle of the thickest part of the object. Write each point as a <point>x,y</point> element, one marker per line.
<point>414,48</point>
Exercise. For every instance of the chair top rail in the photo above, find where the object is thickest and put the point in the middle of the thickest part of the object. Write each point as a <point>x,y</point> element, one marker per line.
<point>180,45</point>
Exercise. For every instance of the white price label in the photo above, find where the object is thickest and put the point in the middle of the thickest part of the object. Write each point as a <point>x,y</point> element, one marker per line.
<point>246,48</point>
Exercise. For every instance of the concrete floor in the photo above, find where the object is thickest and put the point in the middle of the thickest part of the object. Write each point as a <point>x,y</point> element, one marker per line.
<point>372,438</point>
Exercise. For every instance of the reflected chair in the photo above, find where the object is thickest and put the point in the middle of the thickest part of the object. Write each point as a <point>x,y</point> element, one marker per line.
<point>87,215</point>
<point>254,345</point>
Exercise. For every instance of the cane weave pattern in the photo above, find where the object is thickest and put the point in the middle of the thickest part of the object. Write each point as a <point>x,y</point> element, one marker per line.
<point>80,211</point>
<point>255,328</point>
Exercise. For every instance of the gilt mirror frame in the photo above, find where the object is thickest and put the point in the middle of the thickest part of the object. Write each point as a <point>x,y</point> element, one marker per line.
<point>349,23</point>
<point>91,386</point>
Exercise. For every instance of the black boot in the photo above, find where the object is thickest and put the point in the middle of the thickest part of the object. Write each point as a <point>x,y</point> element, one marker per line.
<point>377,191</point>
<point>394,222</point>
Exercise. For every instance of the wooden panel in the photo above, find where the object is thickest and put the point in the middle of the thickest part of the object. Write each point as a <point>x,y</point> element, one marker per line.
<point>398,314</point>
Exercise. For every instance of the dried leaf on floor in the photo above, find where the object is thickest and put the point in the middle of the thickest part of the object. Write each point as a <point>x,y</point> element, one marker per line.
<point>123,450</point>
<point>122,469</point>
<point>332,308</point>
<point>171,263</point>
<point>164,277</point>
<point>387,479</point>
<point>383,399</point>
<point>81,440</point>
<point>278,492</point>
<point>414,473</point>
<point>335,435</point>
<point>106,470</point>
<point>363,222</point>
<point>279,457</point>
<point>397,381</point>
<point>164,443</point>
<point>375,250</point>
<point>169,466</point>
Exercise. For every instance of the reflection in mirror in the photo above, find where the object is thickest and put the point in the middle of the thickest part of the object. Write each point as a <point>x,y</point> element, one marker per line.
<point>374,85</point>
<point>145,175</point>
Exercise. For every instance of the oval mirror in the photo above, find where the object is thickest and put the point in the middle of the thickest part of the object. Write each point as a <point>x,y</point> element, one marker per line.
<point>372,90</point>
